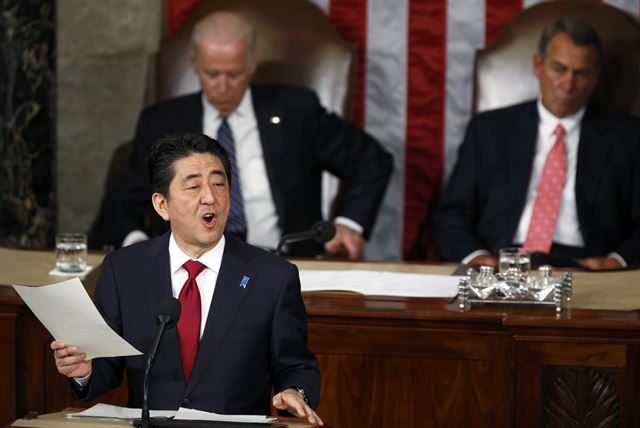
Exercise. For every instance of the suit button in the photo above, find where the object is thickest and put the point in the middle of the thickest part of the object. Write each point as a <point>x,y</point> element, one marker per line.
<point>186,402</point>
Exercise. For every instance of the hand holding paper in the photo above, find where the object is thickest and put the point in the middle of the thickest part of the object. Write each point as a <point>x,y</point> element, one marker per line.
<point>66,310</point>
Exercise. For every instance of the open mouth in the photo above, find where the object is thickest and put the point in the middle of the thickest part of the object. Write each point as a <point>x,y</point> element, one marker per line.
<point>208,219</point>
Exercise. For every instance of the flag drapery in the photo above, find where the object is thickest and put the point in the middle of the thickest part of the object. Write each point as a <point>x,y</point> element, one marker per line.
<point>413,93</point>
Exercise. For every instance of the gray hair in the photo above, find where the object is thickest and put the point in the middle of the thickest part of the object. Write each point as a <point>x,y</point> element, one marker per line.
<point>225,26</point>
<point>579,31</point>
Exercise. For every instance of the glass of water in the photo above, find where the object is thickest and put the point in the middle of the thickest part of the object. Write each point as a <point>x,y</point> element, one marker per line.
<point>514,257</point>
<point>71,252</point>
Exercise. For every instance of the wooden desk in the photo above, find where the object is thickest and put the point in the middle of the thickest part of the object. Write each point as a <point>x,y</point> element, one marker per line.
<point>403,362</point>
<point>28,377</point>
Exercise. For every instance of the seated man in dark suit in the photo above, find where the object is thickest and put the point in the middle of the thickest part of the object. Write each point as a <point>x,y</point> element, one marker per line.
<point>280,139</point>
<point>557,176</point>
<point>243,325</point>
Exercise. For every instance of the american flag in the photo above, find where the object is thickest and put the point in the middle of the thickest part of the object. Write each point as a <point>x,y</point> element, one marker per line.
<point>414,90</point>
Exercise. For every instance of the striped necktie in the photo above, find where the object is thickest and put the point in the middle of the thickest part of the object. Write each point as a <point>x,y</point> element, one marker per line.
<point>237,222</point>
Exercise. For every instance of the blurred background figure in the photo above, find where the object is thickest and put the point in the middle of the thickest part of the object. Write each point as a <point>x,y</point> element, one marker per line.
<point>556,176</point>
<point>280,139</point>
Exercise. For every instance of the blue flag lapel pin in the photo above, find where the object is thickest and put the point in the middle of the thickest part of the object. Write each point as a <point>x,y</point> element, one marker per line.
<point>244,282</point>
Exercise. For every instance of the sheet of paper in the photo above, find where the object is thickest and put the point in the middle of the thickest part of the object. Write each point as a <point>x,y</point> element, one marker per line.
<point>116,412</point>
<point>375,283</point>
<point>198,415</point>
<point>66,310</point>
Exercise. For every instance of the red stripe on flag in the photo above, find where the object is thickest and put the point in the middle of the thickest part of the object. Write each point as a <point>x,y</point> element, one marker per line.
<point>498,13</point>
<point>426,63</point>
<point>177,12</point>
<point>350,18</point>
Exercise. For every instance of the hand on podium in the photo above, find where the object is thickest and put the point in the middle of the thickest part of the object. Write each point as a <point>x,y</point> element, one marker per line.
<point>347,243</point>
<point>292,401</point>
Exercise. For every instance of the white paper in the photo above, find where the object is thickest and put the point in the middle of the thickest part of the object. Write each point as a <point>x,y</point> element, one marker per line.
<point>116,412</point>
<point>199,415</point>
<point>376,283</point>
<point>66,310</point>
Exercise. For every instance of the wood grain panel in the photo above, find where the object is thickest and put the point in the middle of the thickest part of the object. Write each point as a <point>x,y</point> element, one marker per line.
<point>383,392</point>
<point>8,403</point>
<point>585,355</point>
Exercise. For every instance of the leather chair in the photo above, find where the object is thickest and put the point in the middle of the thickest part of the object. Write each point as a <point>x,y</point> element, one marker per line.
<point>503,72</point>
<point>297,44</point>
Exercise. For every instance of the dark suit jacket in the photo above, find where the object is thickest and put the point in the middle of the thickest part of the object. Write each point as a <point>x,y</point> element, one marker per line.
<point>485,196</point>
<point>255,337</point>
<point>306,141</point>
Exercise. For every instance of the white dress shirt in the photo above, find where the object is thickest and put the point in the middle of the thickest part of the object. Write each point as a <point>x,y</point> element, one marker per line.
<point>567,231</point>
<point>259,208</point>
<point>206,280</point>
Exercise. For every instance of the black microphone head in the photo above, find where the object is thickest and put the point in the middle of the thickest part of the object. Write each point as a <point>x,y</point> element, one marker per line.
<point>169,312</point>
<point>324,231</point>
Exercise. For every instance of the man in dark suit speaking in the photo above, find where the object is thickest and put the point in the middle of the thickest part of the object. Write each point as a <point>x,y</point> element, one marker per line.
<point>558,176</point>
<point>279,137</point>
<point>243,325</point>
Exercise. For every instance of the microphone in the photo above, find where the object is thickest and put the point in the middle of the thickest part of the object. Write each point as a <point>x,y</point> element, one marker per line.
<point>168,316</point>
<point>321,232</point>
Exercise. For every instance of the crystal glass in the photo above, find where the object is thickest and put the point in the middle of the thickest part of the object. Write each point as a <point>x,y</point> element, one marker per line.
<point>71,252</point>
<point>514,257</point>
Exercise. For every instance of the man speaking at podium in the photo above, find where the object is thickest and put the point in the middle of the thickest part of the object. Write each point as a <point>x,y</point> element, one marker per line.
<point>243,325</point>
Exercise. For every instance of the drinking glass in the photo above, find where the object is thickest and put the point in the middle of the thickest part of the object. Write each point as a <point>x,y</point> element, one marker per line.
<point>71,252</point>
<point>514,257</point>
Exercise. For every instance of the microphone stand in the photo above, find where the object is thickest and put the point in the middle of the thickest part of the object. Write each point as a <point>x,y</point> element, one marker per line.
<point>290,239</point>
<point>164,320</point>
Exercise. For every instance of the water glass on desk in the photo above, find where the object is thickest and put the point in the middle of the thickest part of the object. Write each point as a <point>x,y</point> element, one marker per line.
<point>514,257</point>
<point>71,252</point>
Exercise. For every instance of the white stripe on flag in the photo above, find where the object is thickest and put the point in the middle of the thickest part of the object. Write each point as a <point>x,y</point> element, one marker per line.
<point>465,34</point>
<point>322,4</point>
<point>385,114</point>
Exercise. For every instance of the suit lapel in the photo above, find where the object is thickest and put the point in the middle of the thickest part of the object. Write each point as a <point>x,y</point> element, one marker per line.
<point>157,288</point>
<point>271,121</point>
<point>227,301</point>
<point>520,152</point>
<point>196,113</point>
<point>593,153</point>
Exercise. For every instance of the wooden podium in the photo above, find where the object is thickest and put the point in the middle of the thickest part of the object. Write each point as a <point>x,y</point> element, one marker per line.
<point>411,362</point>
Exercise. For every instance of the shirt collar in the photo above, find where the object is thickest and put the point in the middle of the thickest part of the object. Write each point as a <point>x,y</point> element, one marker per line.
<point>212,259</point>
<point>245,108</point>
<point>548,121</point>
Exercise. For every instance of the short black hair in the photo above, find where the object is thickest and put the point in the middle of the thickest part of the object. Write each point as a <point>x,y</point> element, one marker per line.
<point>579,31</point>
<point>167,150</point>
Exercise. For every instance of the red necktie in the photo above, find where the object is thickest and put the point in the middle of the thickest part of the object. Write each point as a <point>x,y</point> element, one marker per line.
<point>548,198</point>
<point>189,323</point>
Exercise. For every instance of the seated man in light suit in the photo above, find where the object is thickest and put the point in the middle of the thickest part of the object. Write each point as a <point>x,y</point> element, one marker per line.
<point>558,176</point>
<point>243,323</point>
<point>281,140</point>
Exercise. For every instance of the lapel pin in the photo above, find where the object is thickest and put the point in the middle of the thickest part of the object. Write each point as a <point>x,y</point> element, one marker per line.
<point>244,282</point>
<point>275,120</point>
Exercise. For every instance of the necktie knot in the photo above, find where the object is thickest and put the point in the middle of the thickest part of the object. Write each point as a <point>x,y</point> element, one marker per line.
<point>559,131</point>
<point>194,268</point>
